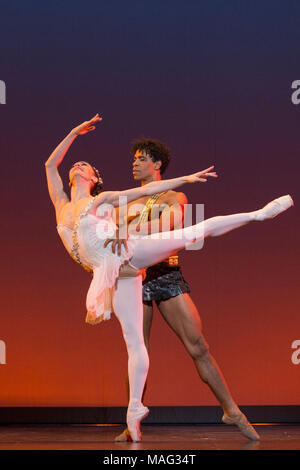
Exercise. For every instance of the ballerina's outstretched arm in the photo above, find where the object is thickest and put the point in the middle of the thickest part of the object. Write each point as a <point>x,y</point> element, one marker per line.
<point>115,198</point>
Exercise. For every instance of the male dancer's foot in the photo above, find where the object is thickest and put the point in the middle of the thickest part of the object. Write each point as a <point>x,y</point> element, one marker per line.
<point>243,424</point>
<point>124,436</point>
<point>239,420</point>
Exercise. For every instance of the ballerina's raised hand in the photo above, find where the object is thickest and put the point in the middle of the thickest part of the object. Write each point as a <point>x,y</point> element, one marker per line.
<point>86,126</point>
<point>201,176</point>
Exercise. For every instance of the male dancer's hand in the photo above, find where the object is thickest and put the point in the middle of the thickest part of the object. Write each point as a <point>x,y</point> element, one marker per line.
<point>117,241</point>
<point>86,126</point>
<point>201,176</point>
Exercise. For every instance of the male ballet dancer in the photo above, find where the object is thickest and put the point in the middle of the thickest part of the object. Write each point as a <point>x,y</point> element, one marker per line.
<point>164,282</point>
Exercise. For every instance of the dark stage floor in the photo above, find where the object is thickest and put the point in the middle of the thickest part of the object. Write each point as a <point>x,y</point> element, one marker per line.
<point>96,437</point>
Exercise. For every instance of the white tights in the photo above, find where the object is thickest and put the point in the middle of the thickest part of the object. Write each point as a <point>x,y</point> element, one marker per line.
<point>128,307</point>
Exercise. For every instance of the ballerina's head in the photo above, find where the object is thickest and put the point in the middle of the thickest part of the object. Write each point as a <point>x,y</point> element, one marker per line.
<point>87,174</point>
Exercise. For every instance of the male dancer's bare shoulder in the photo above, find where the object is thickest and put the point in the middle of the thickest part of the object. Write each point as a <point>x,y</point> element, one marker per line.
<point>170,203</point>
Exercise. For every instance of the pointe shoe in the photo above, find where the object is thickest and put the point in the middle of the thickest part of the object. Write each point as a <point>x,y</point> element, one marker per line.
<point>134,418</point>
<point>124,436</point>
<point>243,424</point>
<point>273,208</point>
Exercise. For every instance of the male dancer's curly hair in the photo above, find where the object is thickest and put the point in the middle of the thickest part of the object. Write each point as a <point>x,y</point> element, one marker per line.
<point>97,188</point>
<point>156,150</point>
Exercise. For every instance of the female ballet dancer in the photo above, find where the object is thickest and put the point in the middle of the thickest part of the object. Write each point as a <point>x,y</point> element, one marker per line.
<point>85,222</point>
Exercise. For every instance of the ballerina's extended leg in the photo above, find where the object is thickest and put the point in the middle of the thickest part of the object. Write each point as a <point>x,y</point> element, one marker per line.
<point>152,249</point>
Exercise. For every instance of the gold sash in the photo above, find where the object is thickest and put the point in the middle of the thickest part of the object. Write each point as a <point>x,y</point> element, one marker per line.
<point>144,217</point>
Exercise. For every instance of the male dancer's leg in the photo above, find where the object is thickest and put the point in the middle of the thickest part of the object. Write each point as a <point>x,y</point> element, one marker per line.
<point>182,316</point>
<point>148,316</point>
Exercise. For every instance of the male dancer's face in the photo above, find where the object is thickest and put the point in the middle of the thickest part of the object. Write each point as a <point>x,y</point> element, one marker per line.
<point>144,168</point>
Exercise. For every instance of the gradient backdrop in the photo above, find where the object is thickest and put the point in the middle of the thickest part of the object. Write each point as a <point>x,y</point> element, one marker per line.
<point>211,79</point>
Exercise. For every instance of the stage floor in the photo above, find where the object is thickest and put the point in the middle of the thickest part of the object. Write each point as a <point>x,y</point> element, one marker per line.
<point>96,437</point>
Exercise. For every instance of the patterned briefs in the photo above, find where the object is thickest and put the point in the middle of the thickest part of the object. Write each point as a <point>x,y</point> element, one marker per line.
<point>163,282</point>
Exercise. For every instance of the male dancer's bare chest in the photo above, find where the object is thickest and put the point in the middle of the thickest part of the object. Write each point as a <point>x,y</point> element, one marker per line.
<point>147,208</point>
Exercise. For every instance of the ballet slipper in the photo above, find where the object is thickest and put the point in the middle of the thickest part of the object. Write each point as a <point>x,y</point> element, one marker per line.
<point>273,208</point>
<point>134,418</point>
<point>124,436</point>
<point>243,424</point>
